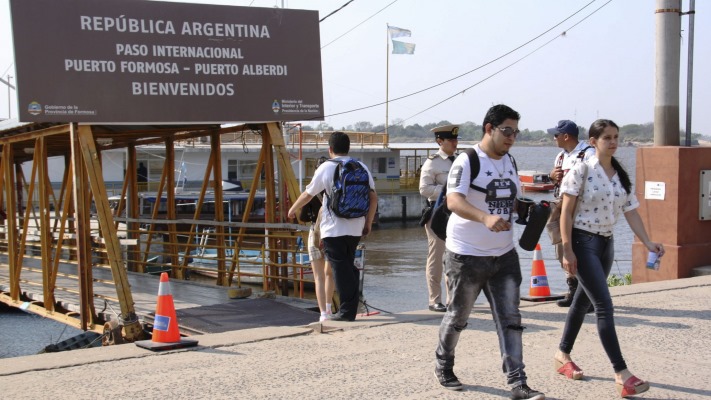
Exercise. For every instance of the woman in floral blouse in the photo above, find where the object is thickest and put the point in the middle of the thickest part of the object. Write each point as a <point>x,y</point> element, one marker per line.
<point>605,193</point>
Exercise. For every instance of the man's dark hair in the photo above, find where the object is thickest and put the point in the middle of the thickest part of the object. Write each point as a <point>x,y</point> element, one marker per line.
<point>498,114</point>
<point>339,143</point>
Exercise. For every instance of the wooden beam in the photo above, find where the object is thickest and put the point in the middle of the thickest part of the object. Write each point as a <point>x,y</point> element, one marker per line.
<point>286,171</point>
<point>132,327</point>
<point>132,210</point>
<point>169,169</point>
<point>12,250</point>
<point>219,208</point>
<point>83,226</point>
<point>45,228</point>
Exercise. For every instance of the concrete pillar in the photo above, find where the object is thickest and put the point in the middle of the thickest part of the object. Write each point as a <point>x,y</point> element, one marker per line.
<point>673,221</point>
<point>668,47</point>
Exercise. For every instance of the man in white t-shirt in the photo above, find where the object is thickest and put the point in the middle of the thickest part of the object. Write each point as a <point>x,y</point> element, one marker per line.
<point>340,236</point>
<point>480,251</point>
<point>566,137</point>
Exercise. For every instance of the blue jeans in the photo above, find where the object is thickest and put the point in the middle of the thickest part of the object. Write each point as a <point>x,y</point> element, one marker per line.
<point>595,256</point>
<point>500,278</point>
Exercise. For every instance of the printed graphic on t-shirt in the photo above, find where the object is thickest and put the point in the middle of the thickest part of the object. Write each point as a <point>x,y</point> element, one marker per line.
<point>455,176</point>
<point>500,195</point>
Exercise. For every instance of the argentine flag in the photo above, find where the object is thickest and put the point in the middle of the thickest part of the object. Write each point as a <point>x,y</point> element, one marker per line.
<point>403,48</point>
<point>398,32</point>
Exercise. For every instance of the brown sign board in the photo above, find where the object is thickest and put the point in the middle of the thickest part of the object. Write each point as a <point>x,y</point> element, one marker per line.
<point>136,61</point>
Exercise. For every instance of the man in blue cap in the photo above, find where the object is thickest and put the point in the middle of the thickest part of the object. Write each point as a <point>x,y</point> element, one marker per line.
<point>566,137</point>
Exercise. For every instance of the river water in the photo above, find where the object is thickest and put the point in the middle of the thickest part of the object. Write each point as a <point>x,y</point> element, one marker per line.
<point>395,266</point>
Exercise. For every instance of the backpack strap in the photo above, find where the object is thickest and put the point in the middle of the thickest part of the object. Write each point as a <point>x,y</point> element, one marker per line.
<point>474,167</point>
<point>559,159</point>
<point>513,161</point>
<point>336,174</point>
<point>581,155</point>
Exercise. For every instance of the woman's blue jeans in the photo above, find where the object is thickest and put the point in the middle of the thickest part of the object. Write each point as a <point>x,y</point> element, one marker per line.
<point>595,255</point>
<point>500,279</point>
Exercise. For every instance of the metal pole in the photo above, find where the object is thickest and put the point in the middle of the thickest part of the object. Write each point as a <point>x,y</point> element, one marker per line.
<point>387,74</point>
<point>690,71</point>
<point>9,113</point>
<point>668,46</point>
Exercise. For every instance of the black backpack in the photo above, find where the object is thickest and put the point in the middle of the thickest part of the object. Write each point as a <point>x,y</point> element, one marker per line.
<point>350,193</point>
<point>440,215</point>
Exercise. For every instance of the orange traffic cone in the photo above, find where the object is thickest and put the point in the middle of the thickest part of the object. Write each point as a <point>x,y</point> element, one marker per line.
<point>165,324</point>
<point>539,289</point>
<point>166,334</point>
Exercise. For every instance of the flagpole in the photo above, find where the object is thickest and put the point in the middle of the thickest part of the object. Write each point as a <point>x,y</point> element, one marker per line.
<point>387,76</point>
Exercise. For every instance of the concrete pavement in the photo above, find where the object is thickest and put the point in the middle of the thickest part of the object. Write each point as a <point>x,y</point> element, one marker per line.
<point>664,330</point>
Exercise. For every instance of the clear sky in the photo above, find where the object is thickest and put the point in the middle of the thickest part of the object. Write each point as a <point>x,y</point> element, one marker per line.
<point>603,67</point>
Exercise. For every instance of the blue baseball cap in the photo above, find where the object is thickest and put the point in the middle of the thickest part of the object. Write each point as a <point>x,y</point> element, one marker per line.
<point>565,126</point>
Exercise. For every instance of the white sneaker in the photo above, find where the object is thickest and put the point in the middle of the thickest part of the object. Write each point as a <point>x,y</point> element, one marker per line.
<point>324,318</point>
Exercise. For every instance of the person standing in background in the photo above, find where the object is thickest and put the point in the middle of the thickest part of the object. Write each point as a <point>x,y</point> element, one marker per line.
<point>433,177</point>
<point>566,137</point>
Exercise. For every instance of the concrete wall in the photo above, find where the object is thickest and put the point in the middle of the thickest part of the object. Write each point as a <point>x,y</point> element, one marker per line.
<point>391,206</point>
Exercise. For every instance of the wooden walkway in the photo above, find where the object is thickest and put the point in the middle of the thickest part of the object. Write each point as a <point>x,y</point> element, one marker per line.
<point>144,288</point>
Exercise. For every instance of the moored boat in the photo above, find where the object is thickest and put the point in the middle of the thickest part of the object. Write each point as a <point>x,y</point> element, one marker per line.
<point>535,181</point>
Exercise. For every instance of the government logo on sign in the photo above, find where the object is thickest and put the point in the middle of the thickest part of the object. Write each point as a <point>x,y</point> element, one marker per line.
<point>34,108</point>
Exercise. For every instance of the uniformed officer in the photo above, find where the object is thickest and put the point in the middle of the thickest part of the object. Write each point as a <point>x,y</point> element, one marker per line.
<point>433,177</point>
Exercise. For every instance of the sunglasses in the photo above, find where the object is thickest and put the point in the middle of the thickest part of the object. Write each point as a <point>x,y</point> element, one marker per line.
<point>508,131</point>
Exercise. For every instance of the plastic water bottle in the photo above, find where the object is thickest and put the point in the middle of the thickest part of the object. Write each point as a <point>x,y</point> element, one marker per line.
<point>537,218</point>
<point>653,260</point>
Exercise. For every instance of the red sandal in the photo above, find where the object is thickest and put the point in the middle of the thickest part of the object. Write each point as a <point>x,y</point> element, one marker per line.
<point>632,386</point>
<point>569,369</point>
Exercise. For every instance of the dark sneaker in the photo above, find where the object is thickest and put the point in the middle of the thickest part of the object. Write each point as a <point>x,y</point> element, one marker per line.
<point>447,379</point>
<point>438,307</point>
<point>340,317</point>
<point>524,392</point>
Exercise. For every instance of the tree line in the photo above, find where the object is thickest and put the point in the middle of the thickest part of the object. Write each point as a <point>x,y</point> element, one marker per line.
<point>398,132</point>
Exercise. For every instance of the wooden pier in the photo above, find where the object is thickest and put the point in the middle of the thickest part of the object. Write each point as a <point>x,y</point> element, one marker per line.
<point>70,256</point>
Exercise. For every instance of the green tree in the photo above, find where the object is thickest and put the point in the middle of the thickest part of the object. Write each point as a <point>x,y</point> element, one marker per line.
<point>363,126</point>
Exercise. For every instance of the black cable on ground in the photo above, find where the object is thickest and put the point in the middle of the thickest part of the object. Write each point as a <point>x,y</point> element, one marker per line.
<point>367,306</point>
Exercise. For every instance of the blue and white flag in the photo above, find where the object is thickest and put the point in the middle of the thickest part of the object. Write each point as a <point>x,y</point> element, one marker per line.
<point>403,48</point>
<point>398,32</point>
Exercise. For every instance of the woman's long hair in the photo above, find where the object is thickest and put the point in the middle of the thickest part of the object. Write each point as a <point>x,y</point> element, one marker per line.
<point>595,131</point>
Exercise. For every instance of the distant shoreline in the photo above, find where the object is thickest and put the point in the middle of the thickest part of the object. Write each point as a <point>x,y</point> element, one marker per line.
<point>530,143</point>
